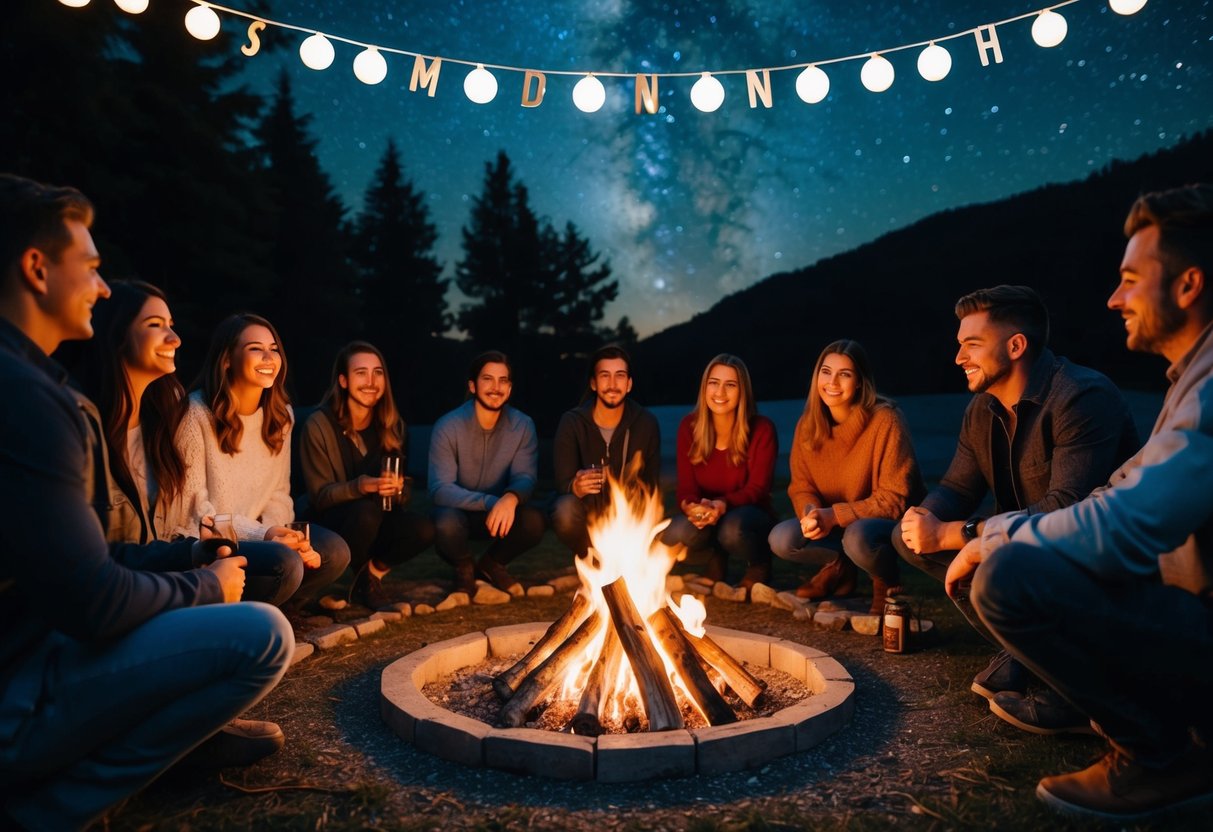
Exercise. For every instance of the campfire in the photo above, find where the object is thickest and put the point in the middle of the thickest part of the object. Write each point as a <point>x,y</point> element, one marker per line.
<point>624,650</point>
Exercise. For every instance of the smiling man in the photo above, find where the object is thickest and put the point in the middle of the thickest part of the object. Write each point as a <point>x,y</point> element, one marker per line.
<point>1039,434</point>
<point>483,464</point>
<point>1111,600</point>
<point>605,433</point>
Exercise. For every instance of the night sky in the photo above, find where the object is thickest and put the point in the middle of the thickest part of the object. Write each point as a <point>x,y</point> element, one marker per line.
<point>690,206</point>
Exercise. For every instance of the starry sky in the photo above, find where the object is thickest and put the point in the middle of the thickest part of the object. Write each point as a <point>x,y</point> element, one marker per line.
<point>689,206</point>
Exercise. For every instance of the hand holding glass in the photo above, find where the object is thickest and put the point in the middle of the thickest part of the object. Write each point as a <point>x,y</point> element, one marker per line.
<point>390,467</point>
<point>222,533</point>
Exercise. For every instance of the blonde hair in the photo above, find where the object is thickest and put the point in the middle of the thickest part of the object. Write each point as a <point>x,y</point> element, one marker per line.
<point>703,434</point>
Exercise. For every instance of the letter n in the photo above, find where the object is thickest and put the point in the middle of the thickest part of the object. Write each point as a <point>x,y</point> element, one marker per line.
<point>758,88</point>
<point>646,94</point>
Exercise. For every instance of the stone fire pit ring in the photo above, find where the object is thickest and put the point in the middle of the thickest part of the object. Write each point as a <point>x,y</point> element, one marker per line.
<point>614,758</point>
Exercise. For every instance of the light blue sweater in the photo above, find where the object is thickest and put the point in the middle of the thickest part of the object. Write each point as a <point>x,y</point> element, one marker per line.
<point>471,468</point>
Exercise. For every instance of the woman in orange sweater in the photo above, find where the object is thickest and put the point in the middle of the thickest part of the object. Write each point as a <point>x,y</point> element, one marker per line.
<point>851,457</point>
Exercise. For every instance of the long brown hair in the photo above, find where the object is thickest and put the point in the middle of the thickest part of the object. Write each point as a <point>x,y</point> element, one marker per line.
<point>816,423</point>
<point>703,434</point>
<point>99,367</point>
<point>215,383</point>
<point>385,418</point>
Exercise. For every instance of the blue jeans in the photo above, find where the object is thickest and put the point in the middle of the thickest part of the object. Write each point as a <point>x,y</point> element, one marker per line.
<point>569,519</point>
<point>276,574</point>
<point>84,725</point>
<point>454,528</point>
<point>740,533</point>
<point>1132,655</point>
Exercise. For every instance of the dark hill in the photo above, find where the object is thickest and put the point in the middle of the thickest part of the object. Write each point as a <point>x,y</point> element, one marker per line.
<point>896,293</point>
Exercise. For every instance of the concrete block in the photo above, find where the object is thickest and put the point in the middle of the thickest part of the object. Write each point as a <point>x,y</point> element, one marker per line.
<point>460,652</point>
<point>388,616</point>
<point>452,737</point>
<point>626,758</point>
<point>303,649</point>
<point>546,753</point>
<point>401,702</point>
<point>741,745</point>
<point>820,715</point>
<point>514,639</point>
<point>745,647</point>
<point>563,583</point>
<point>823,670</point>
<point>540,591</point>
<point>366,626</point>
<point>326,638</point>
<point>811,652</point>
<point>792,658</point>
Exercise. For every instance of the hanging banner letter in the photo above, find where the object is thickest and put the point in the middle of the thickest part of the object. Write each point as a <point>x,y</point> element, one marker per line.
<point>254,43</point>
<point>758,88</point>
<point>988,44</point>
<point>646,94</point>
<point>426,78</point>
<point>537,99</point>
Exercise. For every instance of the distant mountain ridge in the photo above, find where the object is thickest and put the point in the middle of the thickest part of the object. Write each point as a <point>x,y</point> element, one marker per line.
<point>896,294</point>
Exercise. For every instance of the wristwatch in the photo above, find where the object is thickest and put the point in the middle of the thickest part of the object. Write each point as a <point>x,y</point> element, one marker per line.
<point>969,531</point>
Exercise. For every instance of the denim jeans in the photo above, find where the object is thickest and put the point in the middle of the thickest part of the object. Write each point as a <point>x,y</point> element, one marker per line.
<point>276,574</point>
<point>569,519</point>
<point>1133,655</point>
<point>389,537</point>
<point>454,528</point>
<point>102,720</point>
<point>740,533</point>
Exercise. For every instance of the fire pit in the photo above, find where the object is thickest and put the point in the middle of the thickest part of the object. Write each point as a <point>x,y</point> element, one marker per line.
<point>628,655</point>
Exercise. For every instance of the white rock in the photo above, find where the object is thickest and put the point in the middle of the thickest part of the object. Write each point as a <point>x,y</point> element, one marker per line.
<point>540,591</point>
<point>487,595</point>
<point>722,590</point>
<point>760,593</point>
<point>565,582</point>
<point>423,609</point>
<point>788,601</point>
<point>868,625</point>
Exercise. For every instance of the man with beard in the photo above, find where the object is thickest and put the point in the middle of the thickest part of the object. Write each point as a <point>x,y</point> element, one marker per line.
<point>483,465</point>
<point>341,454</point>
<point>1111,600</point>
<point>1039,434</point>
<point>605,433</point>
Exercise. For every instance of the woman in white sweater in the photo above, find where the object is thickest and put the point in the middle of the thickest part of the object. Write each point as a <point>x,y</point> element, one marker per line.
<point>235,442</point>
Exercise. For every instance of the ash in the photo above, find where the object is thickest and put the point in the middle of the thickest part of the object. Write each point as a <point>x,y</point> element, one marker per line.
<point>469,692</point>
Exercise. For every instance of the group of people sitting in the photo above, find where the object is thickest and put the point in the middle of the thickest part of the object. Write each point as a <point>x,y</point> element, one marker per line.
<point>137,514</point>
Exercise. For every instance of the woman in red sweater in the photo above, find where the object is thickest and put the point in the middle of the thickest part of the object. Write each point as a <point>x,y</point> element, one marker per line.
<point>851,457</point>
<point>726,461</point>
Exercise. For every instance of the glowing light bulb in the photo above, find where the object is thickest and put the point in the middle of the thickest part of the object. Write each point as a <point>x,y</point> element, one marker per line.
<point>1049,29</point>
<point>131,6</point>
<point>1127,6</point>
<point>369,66</point>
<point>877,73</point>
<point>812,85</point>
<point>316,52</point>
<point>707,94</point>
<point>480,86</point>
<point>202,22</point>
<point>75,4</point>
<point>934,63</point>
<point>589,95</point>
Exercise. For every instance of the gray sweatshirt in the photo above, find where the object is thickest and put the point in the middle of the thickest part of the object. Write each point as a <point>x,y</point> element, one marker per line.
<point>471,468</point>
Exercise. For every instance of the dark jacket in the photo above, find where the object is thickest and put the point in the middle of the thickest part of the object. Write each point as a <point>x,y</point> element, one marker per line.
<point>579,444</point>
<point>1073,429</point>
<point>57,573</point>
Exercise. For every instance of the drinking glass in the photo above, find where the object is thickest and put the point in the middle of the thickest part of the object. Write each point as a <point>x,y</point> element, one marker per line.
<point>390,467</point>
<point>225,535</point>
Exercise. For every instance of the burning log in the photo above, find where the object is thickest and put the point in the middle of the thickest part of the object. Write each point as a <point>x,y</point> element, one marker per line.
<point>737,677</point>
<point>686,662</point>
<point>548,674</point>
<point>506,683</point>
<point>656,692</point>
<point>587,721</point>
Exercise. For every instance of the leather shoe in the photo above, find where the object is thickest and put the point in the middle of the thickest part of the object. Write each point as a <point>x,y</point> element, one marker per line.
<point>880,593</point>
<point>1003,673</point>
<point>835,578</point>
<point>1118,789</point>
<point>241,742</point>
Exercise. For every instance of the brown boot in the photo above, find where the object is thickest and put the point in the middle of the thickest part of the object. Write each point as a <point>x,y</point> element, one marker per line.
<point>1118,789</point>
<point>756,573</point>
<point>465,576</point>
<point>835,578</point>
<point>880,593</point>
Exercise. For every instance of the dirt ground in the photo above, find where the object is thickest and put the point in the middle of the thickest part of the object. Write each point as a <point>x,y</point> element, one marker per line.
<point>921,752</point>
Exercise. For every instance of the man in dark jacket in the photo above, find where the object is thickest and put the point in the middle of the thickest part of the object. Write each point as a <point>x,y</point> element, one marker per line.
<point>108,674</point>
<point>605,433</point>
<point>1039,435</point>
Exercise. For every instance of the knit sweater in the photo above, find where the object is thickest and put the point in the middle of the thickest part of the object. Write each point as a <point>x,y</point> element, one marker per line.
<point>747,484</point>
<point>252,485</point>
<point>472,468</point>
<point>860,470</point>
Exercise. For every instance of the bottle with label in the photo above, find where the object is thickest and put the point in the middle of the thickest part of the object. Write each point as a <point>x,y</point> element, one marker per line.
<point>896,626</point>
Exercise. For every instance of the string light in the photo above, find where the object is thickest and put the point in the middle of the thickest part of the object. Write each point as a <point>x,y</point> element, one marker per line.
<point>480,86</point>
<point>75,4</point>
<point>1049,29</point>
<point>131,6</point>
<point>316,52</point>
<point>877,73</point>
<point>202,22</point>
<point>812,85</point>
<point>1127,7</point>
<point>707,94</point>
<point>934,62</point>
<point>369,66</point>
<point>589,95</point>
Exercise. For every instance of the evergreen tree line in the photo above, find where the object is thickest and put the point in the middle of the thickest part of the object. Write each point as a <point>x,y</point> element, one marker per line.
<point>217,195</point>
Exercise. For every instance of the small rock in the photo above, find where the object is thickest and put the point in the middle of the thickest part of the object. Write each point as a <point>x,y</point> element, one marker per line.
<point>760,593</point>
<point>564,583</point>
<point>333,602</point>
<point>923,625</point>
<point>366,626</point>
<point>404,608</point>
<point>423,609</point>
<point>725,592</point>
<point>486,595</point>
<point>673,583</point>
<point>804,613</point>
<point>830,620</point>
<point>455,599</point>
<point>696,588</point>
<point>326,638</point>
<point>788,601</point>
<point>391,616</point>
<point>868,625</point>
<point>540,591</point>
<point>303,649</point>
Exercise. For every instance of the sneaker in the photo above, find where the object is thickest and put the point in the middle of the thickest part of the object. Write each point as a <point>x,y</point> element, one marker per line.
<point>1041,712</point>
<point>241,742</point>
<point>368,590</point>
<point>465,577</point>
<point>1003,673</point>
<point>1118,789</point>
<point>500,577</point>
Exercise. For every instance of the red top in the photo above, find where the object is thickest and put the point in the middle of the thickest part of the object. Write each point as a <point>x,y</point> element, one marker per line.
<point>748,484</point>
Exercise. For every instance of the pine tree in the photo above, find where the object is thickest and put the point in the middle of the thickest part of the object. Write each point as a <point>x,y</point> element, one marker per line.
<point>403,293</point>
<point>579,288</point>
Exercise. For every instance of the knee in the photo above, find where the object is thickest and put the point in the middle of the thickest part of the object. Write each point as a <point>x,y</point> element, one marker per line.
<point>568,516</point>
<point>786,538</point>
<point>863,540</point>
<point>449,524</point>
<point>266,636</point>
<point>679,532</point>
<point>334,551</point>
<point>530,524</point>
<point>1008,582</point>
